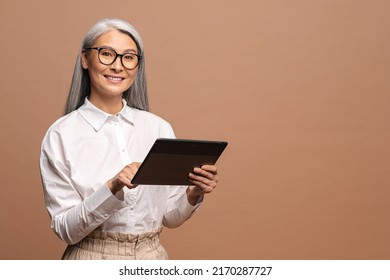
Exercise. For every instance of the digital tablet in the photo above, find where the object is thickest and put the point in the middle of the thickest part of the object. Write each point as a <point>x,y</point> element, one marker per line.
<point>169,161</point>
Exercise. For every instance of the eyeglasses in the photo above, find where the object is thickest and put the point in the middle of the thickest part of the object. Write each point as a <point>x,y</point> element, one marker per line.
<point>108,56</point>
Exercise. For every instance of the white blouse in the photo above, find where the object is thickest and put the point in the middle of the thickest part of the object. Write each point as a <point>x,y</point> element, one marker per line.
<point>82,151</point>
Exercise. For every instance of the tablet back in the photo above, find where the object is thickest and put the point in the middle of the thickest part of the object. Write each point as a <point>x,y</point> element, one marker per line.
<point>169,161</point>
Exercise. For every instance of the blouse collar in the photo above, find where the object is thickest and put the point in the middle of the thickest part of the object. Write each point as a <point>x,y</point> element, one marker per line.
<point>96,117</point>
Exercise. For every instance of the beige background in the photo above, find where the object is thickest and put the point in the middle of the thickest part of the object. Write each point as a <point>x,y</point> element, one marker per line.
<point>300,89</point>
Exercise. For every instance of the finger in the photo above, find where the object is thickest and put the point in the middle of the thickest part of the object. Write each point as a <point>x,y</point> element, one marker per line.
<point>131,168</point>
<point>207,179</point>
<point>210,168</point>
<point>206,174</point>
<point>203,182</point>
<point>131,186</point>
<point>207,168</point>
<point>125,180</point>
<point>201,187</point>
<point>134,168</point>
<point>199,178</point>
<point>134,165</point>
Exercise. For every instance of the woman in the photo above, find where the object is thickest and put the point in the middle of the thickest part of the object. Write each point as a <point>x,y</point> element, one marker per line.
<point>90,155</point>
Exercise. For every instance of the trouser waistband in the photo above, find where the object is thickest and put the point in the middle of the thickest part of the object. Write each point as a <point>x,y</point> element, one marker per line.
<point>114,245</point>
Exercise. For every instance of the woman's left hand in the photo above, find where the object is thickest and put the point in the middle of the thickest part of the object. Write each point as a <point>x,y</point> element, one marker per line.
<point>204,179</point>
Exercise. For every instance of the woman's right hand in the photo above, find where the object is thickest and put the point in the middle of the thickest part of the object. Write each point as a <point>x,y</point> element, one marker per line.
<point>123,178</point>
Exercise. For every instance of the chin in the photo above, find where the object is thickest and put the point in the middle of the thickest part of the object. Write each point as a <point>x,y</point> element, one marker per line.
<point>116,91</point>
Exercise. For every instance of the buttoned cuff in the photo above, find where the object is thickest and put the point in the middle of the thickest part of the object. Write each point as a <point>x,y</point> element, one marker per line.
<point>185,207</point>
<point>102,203</point>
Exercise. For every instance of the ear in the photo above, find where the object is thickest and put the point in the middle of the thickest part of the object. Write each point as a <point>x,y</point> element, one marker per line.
<point>84,60</point>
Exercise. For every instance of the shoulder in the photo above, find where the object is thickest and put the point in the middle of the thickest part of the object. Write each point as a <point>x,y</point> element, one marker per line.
<point>152,122</point>
<point>148,117</point>
<point>145,115</point>
<point>63,126</point>
<point>63,123</point>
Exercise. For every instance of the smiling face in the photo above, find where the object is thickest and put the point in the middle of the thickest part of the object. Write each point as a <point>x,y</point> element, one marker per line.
<point>108,82</point>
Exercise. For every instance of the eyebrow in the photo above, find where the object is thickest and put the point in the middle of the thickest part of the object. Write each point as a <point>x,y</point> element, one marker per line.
<point>125,51</point>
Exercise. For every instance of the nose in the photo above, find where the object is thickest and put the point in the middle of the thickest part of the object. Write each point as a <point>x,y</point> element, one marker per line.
<point>117,64</point>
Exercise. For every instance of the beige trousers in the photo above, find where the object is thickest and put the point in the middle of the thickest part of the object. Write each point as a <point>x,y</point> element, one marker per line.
<point>118,246</point>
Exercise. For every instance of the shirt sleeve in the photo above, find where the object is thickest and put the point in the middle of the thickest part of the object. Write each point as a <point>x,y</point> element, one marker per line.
<point>178,208</point>
<point>72,217</point>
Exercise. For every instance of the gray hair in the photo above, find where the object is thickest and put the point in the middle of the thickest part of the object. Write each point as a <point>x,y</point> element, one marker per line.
<point>136,96</point>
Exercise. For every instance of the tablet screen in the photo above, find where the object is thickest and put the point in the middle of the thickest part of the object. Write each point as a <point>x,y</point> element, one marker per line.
<point>169,161</point>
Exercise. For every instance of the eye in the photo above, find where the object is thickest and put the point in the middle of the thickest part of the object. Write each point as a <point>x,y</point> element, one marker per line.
<point>107,53</point>
<point>129,56</point>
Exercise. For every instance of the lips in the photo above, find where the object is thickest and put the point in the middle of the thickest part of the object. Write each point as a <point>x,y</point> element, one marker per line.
<point>113,78</point>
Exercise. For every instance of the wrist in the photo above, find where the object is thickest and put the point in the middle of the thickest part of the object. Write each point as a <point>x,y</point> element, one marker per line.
<point>113,187</point>
<point>193,194</point>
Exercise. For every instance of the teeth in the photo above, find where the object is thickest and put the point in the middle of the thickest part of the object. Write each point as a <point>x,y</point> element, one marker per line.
<point>114,78</point>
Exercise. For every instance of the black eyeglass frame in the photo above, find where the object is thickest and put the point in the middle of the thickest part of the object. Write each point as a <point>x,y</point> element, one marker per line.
<point>116,56</point>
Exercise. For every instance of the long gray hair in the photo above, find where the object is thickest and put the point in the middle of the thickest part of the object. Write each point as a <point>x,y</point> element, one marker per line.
<point>80,88</point>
